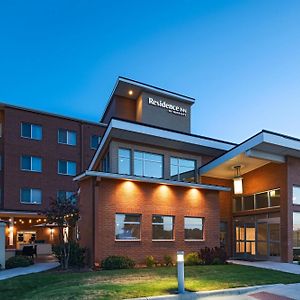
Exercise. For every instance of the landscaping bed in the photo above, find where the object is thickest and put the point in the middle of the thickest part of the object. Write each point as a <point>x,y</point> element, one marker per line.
<point>122,284</point>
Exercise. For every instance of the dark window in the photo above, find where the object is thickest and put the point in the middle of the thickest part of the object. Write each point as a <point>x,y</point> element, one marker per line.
<point>274,197</point>
<point>249,202</point>
<point>127,227</point>
<point>237,204</point>
<point>64,196</point>
<point>162,227</point>
<point>262,200</point>
<point>31,196</point>
<point>67,137</point>
<point>95,140</point>
<point>66,167</point>
<point>31,163</point>
<point>193,228</point>
<point>31,131</point>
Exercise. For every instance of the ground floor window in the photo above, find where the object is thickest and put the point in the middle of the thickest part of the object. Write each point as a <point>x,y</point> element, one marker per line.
<point>296,230</point>
<point>193,228</point>
<point>162,227</point>
<point>128,227</point>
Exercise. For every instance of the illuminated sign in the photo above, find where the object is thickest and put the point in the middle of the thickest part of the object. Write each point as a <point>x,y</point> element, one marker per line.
<point>172,108</point>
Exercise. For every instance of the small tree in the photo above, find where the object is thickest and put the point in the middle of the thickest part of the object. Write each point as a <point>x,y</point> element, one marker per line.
<point>64,214</point>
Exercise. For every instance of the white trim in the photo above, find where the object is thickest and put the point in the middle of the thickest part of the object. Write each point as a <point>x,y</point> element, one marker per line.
<point>265,156</point>
<point>193,240</point>
<point>160,240</point>
<point>14,212</point>
<point>151,180</point>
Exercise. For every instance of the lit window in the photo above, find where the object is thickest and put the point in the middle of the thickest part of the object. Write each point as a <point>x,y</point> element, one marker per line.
<point>67,137</point>
<point>128,227</point>
<point>148,164</point>
<point>182,169</point>
<point>124,161</point>
<point>31,196</point>
<point>66,196</point>
<point>296,195</point>
<point>31,131</point>
<point>95,140</point>
<point>66,167</point>
<point>162,227</point>
<point>193,228</point>
<point>31,163</point>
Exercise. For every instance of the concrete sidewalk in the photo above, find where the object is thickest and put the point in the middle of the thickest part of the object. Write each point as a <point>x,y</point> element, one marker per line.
<point>36,268</point>
<point>271,265</point>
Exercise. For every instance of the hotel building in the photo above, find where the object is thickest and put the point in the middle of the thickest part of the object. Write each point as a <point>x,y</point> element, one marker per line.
<point>152,187</point>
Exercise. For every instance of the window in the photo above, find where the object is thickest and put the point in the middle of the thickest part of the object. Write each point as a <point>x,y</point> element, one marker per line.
<point>66,137</point>
<point>237,204</point>
<point>31,196</point>
<point>274,197</point>
<point>296,230</point>
<point>262,200</point>
<point>105,163</point>
<point>95,140</point>
<point>193,228</point>
<point>148,164</point>
<point>162,227</point>
<point>248,202</point>
<point>66,167</point>
<point>31,131</point>
<point>128,227</point>
<point>182,169</point>
<point>124,161</point>
<point>296,195</point>
<point>64,195</point>
<point>31,163</point>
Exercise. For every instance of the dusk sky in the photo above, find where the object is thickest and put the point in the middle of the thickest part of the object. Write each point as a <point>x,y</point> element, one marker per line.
<point>239,59</point>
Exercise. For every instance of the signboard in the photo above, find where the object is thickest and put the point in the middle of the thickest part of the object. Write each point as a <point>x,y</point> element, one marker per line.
<point>171,108</point>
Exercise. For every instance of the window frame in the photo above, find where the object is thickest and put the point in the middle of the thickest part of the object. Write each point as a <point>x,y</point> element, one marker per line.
<point>91,141</point>
<point>31,159</point>
<point>30,189</point>
<point>202,229</point>
<point>31,130</point>
<point>162,224</point>
<point>133,223</point>
<point>178,166</point>
<point>68,132</point>
<point>68,162</point>
<point>130,160</point>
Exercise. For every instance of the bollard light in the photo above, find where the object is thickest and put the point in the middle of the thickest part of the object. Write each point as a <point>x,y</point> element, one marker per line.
<point>180,271</point>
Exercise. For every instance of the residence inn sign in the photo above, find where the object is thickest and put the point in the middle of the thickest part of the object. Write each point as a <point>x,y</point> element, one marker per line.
<point>171,108</point>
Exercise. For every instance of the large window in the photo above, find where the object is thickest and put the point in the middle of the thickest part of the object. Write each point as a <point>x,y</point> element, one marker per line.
<point>193,228</point>
<point>95,140</point>
<point>296,229</point>
<point>148,164</point>
<point>67,167</point>
<point>296,195</point>
<point>31,131</point>
<point>124,161</point>
<point>128,227</point>
<point>67,137</point>
<point>31,163</point>
<point>256,201</point>
<point>182,169</point>
<point>162,227</point>
<point>30,196</point>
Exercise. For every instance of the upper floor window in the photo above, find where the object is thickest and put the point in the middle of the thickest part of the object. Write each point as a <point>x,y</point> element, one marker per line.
<point>148,164</point>
<point>182,169</point>
<point>31,196</point>
<point>95,140</point>
<point>193,228</point>
<point>105,163</point>
<point>296,194</point>
<point>67,167</point>
<point>31,131</point>
<point>64,196</point>
<point>128,227</point>
<point>124,161</point>
<point>31,163</point>
<point>162,227</point>
<point>66,137</point>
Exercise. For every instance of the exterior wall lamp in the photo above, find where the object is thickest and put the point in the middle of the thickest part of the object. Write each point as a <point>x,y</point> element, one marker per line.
<point>237,181</point>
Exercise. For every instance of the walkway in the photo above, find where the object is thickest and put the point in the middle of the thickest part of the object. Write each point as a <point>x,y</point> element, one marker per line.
<point>36,268</point>
<point>271,265</point>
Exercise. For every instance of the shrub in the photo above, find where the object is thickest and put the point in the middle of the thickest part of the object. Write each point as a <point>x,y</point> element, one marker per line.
<point>150,262</point>
<point>210,256</point>
<point>192,259</point>
<point>168,261</point>
<point>77,254</point>
<point>117,262</point>
<point>18,261</point>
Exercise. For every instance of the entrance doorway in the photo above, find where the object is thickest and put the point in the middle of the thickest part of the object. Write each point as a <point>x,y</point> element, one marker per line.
<point>257,237</point>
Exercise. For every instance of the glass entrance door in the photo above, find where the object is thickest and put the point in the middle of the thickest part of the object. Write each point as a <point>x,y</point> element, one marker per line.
<point>245,240</point>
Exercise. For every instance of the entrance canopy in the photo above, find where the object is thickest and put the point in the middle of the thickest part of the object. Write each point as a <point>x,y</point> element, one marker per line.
<point>257,151</point>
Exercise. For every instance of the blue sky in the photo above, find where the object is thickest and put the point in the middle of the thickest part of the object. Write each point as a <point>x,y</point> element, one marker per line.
<point>239,59</point>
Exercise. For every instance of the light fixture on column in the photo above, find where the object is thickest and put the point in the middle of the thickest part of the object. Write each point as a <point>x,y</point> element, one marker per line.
<point>237,181</point>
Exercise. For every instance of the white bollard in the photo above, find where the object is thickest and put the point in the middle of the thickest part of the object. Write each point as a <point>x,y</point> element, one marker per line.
<point>2,244</point>
<point>180,271</point>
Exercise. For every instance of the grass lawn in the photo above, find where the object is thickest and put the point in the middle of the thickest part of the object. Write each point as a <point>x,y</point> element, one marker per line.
<point>122,284</point>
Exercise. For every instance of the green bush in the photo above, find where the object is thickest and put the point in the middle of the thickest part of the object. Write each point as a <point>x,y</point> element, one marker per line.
<point>77,254</point>
<point>18,261</point>
<point>117,262</point>
<point>168,261</point>
<point>150,261</point>
<point>192,259</point>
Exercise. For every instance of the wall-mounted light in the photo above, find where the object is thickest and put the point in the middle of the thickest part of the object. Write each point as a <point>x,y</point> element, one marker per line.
<point>130,92</point>
<point>237,181</point>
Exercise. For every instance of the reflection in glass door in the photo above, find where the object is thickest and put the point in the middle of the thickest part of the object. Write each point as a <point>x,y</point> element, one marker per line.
<point>245,239</point>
